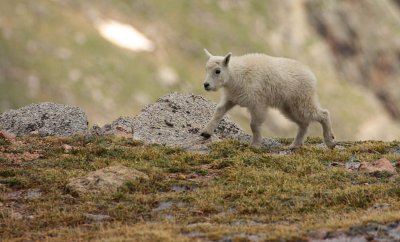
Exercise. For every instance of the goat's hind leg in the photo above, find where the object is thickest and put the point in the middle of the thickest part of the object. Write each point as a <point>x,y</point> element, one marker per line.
<point>324,119</point>
<point>299,140</point>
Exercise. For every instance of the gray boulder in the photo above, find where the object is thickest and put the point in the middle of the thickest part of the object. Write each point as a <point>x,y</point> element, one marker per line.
<point>45,119</point>
<point>176,120</point>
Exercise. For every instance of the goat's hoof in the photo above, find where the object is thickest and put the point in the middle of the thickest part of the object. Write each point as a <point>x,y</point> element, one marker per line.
<point>295,146</point>
<point>205,135</point>
<point>256,145</point>
<point>331,144</point>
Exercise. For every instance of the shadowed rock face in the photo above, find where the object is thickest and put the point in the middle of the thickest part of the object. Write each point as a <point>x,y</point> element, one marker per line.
<point>45,119</point>
<point>176,120</point>
<point>354,31</point>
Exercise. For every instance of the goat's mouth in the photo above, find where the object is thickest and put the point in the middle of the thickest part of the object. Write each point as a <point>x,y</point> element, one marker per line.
<point>210,88</point>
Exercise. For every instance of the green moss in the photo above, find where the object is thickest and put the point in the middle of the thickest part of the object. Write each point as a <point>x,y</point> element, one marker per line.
<point>14,182</point>
<point>7,173</point>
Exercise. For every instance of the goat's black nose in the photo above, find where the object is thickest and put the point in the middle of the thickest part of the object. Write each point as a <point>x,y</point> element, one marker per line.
<point>206,85</point>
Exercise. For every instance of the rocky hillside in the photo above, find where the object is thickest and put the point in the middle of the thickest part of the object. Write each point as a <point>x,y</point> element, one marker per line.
<point>152,177</point>
<point>112,188</point>
<point>63,51</point>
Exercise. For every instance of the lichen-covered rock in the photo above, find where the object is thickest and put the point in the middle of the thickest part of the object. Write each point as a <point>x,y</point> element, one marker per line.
<point>45,119</point>
<point>176,120</point>
<point>106,180</point>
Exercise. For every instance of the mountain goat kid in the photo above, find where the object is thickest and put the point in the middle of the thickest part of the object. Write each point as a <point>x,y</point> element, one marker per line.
<point>259,81</point>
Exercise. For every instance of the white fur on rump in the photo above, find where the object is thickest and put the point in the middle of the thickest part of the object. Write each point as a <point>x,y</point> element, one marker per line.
<point>259,81</point>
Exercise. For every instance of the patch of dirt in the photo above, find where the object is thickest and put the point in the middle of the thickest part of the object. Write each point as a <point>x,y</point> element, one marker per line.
<point>19,158</point>
<point>204,173</point>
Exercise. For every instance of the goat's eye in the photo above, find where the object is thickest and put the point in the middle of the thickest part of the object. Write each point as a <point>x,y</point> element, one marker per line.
<point>217,71</point>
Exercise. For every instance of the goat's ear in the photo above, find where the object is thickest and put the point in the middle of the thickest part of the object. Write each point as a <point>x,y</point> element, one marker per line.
<point>208,53</point>
<point>227,58</point>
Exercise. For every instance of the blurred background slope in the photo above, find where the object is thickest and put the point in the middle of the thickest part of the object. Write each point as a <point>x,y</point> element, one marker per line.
<point>113,57</point>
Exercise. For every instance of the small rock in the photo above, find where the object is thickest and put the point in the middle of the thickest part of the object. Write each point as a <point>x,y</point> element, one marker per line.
<point>168,204</point>
<point>177,188</point>
<point>342,239</point>
<point>394,232</point>
<point>121,132</point>
<point>195,234</point>
<point>243,237</point>
<point>97,217</point>
<point>169,217</point>
<point>193,176</point>
<point>16,215</point>
<point>285,152</point>
<point>352,165</point>
<point>380,206</point>
<point>321,146</point>
<point>12,195</point>
<point>26,194</point>
<point>318,234</point>
<point>67,148</point>
<point>381,165</point>
<point>163,206</point>
<point>96,130</point>
<point>122,127</point>
<point>338,164</point>
<point>106,180</point>
<point>395,150</point>
<point>340,147</point>
<point>33,194</point>
<point>7,135</point>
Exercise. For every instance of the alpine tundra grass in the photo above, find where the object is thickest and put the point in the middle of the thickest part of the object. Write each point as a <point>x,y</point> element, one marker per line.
<point>232,191</point>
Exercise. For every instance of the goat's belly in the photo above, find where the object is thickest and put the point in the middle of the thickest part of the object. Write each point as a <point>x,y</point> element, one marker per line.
<point>248,102</point>
<point>243,105</point>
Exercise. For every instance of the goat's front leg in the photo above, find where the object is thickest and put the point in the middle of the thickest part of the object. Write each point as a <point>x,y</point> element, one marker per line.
<point>257,119</point>
<point>222,108</point>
